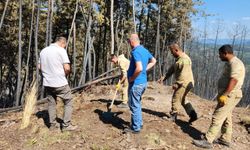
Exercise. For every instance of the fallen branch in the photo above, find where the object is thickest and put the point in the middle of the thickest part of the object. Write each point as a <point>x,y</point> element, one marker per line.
<point>105,73</point>
<point>74,90</point>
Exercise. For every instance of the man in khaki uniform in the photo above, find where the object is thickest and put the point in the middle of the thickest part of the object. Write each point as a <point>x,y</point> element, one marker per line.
<point>123,63</point>
<point>229,95</point>
<point>184,81</point>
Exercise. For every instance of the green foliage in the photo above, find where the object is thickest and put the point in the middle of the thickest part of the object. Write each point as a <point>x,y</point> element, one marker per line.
<point>174,25</point>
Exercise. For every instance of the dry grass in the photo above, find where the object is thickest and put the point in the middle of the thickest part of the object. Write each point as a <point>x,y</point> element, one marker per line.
<point>30,102</point>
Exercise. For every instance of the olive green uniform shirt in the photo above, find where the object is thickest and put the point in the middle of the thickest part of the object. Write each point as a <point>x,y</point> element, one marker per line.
<point>123,64</point>
<point>232,69</point>
<point>182,69</point>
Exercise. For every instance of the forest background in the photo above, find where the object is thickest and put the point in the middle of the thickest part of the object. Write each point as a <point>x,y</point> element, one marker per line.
<point>97,28</point>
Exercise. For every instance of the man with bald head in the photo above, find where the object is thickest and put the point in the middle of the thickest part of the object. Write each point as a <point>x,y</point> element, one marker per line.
<point>184,81</point>
<point>141,61</point>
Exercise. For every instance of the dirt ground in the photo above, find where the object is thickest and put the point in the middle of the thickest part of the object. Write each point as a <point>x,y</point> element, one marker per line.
<point>98,132</point>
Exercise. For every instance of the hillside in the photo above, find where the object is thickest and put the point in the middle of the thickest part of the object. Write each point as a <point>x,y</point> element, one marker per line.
<point>97,132</point>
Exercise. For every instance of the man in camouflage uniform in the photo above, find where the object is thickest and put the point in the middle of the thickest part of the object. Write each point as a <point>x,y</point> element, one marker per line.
<point>184,82</point>
<point>123,63</point>
<point>229,95</point>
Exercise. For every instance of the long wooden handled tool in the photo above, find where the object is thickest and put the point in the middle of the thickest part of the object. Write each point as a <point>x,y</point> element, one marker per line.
<point>111,105</point>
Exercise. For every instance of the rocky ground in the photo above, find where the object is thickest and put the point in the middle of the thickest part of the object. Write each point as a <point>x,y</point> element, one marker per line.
<point>96,131</point>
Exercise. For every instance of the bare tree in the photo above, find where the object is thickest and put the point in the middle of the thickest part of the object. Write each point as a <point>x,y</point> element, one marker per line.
<point>36,37</point>
<point>18,89</point>
<point>73,23</point>
<point>48,23</point>
<point>133,15</point>
<point>157,42</point>
<point>112,26</point>
<point>51,21</point>
<point>235,33</point>
<point>3,14</point>
<point>28,56</point>
<point>86,47</point>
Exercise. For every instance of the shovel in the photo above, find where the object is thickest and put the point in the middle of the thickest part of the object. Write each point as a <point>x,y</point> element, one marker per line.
<point>109,114</point>
<point>112,103</point>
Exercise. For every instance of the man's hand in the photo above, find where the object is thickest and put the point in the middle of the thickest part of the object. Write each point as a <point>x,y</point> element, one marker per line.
<point>66,68</point>
<point>222,100</point>
<point>175,86</point>
<point>118,86</point>
<point>130,80</point>
<point>161,80</point>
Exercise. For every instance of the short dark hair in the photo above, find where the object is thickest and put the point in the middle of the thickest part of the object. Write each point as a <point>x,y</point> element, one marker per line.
<point>174,45</point>
<point>226,49</point>
<point>112,56</point>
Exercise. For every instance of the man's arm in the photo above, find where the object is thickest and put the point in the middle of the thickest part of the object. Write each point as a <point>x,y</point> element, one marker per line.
<point>39,66</point>
<point>151,63</point>
<point>232,83</point>
<point>122,79</point>
<point>169,73</point>
<point>66,68</point>
<point>123,76</point>
<point>222,100</point>
<point>138,70</point>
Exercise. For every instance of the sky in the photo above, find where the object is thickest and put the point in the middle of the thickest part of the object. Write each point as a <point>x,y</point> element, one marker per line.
<point>230,13</point>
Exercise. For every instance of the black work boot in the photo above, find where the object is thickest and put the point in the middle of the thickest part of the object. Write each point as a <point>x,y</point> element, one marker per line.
<point>193,117</point>
<point>203,143</point>
<point>222,142</point>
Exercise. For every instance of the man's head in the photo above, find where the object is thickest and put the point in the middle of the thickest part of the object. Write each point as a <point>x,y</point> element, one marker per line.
<point>61,41</point>
<point>113,58</point>
<point>175,50</point>
<point>226,52</point>
<point>134,40</point>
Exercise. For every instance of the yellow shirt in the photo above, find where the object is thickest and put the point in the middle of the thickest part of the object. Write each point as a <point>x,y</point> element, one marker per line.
<point>123,64</point>
<point>182,69</point>
<point>232,69</point>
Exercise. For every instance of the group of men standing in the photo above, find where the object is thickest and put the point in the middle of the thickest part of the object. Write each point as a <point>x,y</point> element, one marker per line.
<point>54,65</point>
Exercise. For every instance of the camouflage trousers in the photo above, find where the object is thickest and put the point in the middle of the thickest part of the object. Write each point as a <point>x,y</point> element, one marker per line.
<point>222,120</point>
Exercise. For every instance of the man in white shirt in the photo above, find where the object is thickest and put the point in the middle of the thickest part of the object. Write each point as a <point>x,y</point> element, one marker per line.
<point>55,66</point>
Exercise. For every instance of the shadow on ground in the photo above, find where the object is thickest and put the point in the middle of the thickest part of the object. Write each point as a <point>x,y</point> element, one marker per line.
<point>44,114</point>
<point>185,126</point>
<point>153,112</point>
<point>191,131</point>
<point>112,118</point>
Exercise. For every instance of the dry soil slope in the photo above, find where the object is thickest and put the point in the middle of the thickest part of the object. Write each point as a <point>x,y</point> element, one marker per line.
<point>96,131</point>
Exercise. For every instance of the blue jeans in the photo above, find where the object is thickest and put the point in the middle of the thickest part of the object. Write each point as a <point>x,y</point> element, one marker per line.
<point>135,93</point>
